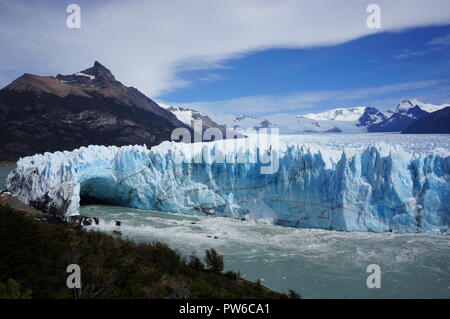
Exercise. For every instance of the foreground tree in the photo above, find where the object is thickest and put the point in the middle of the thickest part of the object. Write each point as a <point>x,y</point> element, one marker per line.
<point>214,260</point>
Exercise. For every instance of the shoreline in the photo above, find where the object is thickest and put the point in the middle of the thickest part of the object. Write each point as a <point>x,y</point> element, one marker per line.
<point>6,163</point>
<point>12,202</point>
<point>7,200</point>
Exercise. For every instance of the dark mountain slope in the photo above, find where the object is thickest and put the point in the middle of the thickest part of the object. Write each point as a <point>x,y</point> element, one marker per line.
<point>46,114</point>
<point>437,122</point>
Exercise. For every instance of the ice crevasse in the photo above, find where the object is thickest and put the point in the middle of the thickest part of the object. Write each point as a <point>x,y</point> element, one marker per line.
<point>377,188</point>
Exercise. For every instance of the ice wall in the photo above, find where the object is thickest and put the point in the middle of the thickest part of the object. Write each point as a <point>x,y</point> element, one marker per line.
<point>378,188</point>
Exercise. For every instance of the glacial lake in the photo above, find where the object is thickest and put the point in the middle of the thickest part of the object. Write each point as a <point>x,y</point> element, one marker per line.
<point>4,171</point>
<point>315,263</point>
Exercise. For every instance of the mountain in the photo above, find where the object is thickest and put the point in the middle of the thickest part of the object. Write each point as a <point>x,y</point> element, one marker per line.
<point>187,115</point>
<point>404,114</point>
<point>338,120</point>
<point>339,114</point>
<point>335,120</point>
<point>436,122</point>
<point>290,123</point>
<point>371,117</point>
<point>407,104</point>
<point>360,119</point>
<point>244,123</point>
<point>46,114</point>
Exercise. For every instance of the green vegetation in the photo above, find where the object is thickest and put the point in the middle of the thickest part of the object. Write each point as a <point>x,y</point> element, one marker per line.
<point>196,263</point>
<point>214,261</point>
<point>34,256</point>
<point>12,290</point>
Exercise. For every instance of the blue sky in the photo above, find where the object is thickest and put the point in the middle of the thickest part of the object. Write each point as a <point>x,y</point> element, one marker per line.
<point>233,56</point>
<point>418,58</point>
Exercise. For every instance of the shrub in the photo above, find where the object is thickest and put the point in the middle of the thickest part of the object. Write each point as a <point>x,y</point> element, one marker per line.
<point>214,260</point>
<point>232,275</point>
<point>196,263</point>
<point>293,294</point>
<point>12,290</point>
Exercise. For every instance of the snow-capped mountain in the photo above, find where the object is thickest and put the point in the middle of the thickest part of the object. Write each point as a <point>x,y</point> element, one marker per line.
<point>360,119</point>
<point>408,104</point>
<point>370,117</point>
<point>339,114</point>
<point>288,123</point>
<point>335,120</point>
<point>397,119</point>
<point>187,115</point>
<point>242,122</point>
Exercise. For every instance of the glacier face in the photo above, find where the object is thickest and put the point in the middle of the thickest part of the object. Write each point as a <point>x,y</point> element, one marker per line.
<point>372,188</point>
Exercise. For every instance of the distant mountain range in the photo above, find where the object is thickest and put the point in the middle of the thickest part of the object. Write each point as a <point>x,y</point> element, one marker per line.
<point>54,113</point>
<point>287,123</point>
<point>359,119</point>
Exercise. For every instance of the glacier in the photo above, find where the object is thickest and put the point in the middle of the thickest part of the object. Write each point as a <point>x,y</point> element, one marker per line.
<point>376,187</point>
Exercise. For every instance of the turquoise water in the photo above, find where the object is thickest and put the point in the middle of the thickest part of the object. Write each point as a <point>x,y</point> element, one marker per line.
<point>4,171</point>
<point>316,263</point>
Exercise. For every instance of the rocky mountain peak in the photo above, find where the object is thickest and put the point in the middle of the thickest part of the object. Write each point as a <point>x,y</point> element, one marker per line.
<point>370,117</point>
<point>406,104</point>
<point>99,71</point>
<point>97,76</point>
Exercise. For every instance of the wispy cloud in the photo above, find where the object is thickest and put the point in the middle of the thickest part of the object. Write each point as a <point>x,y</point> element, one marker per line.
<point>298,101</point>
<point>405,54</point>
<point>212,77</point>
<point>444,40</point>
<point>434,45</point>
<point>147,43</point>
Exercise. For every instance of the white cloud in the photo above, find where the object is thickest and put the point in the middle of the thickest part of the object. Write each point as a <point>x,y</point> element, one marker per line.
<point>145,43</point>
<point>264,104</point>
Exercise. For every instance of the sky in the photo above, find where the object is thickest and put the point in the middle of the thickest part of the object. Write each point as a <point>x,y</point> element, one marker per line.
<point>253,57</point>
